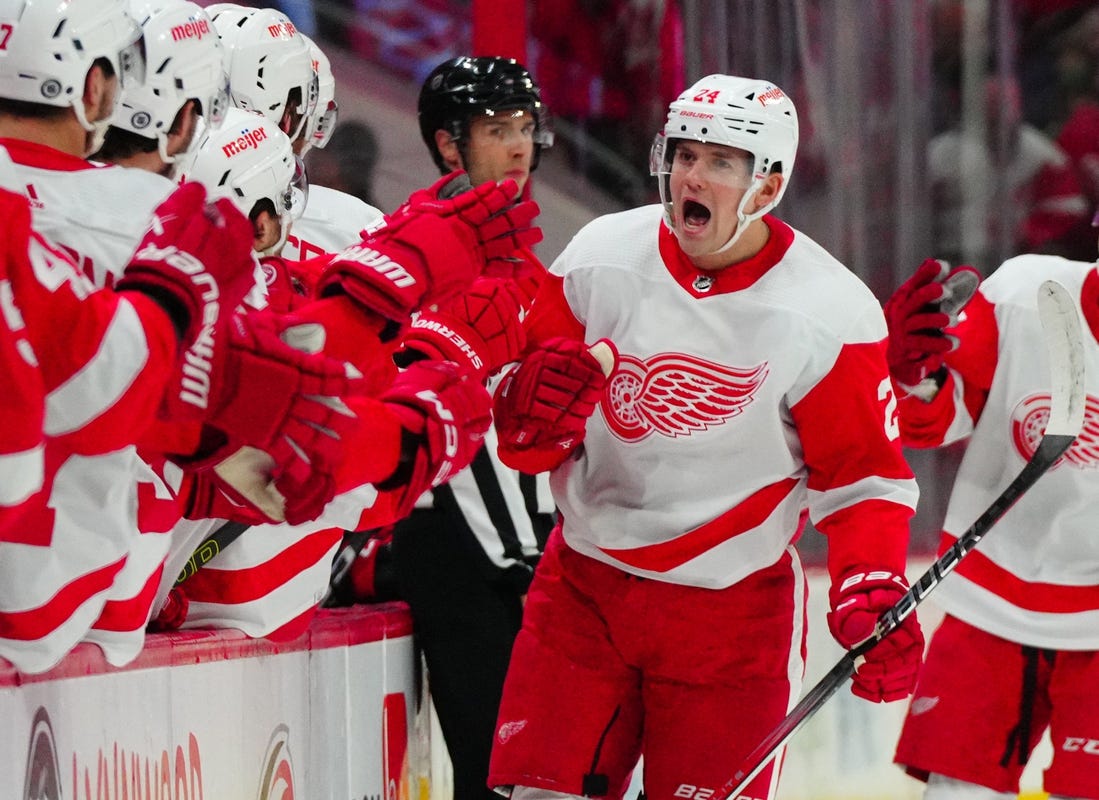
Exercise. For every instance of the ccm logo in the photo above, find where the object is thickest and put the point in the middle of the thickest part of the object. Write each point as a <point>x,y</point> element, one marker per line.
<point>1079,744</point>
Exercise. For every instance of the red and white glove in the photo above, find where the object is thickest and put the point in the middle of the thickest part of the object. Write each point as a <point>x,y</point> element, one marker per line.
<point>917,315</point>
<point>195,261</point>
<point>263,386</point>
<point>479,330</point>
<point>445,414</point>
<point>858,598</point>
<point>542,406</point>
<point>429,250</point>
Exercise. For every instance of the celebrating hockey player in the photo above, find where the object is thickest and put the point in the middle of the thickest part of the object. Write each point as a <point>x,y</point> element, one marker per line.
<point>1018,651</point>
<point>750,395</point>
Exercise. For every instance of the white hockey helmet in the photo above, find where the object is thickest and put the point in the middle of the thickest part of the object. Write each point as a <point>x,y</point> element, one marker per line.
<point>50,46</point>
<point>249,160</point>
<point>269,63</point>
<point>748,114</point>
<point>186,61</point>
<point>321,123</point>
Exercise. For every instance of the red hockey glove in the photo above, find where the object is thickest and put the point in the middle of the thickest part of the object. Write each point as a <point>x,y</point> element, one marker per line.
<point>195,260</point>
<point>445,415</point>
<point>544,403</point>
<point>479,330</point>
<point>502,226</point>
<point>858,599</point>
<point>524,273</point>
<point>263,387</point>
<point>917,314</point>
<point>430,250</point>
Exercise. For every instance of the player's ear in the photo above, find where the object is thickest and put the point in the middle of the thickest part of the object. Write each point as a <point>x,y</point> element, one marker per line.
<point>768,191</point>
<point>96,91</point>
<point>448,149</point>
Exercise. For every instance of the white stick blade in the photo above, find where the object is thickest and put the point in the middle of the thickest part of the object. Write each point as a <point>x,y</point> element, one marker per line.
<point>1060,320</point>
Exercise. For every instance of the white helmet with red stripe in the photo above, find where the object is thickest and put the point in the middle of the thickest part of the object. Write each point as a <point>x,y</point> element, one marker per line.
<point>187,62</point>
<point>49,47</point>
<point>269,63</point>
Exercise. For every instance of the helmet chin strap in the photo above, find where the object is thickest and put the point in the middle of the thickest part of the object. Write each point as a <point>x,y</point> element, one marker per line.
<point>742,218</point>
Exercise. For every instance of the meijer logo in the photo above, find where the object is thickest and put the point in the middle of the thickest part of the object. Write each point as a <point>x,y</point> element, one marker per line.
<point>282,30</point>
<point>249,139</point>
<point>192,29</point>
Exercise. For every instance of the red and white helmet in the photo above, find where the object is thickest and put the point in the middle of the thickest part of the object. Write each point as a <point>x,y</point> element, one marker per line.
<point>50,46</point>
<point>249,160</point>
<point>748,114</point>
<point>322,121</point>
<point>269,64</point>
<point>188,64</point>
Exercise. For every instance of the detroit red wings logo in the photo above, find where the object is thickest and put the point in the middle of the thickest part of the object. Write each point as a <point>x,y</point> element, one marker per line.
<point>673,394</point>
<point>1028,423</point>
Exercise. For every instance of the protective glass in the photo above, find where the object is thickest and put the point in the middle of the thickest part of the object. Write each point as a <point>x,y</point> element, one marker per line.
<point>326,123</point>
<point>214,112</point>
<point>296,196</point>
<point>711,163</point>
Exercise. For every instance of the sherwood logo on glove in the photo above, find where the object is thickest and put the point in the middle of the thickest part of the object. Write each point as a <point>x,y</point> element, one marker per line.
<point>198,360</point>
<point>382,264</point>
<point>450,335</point>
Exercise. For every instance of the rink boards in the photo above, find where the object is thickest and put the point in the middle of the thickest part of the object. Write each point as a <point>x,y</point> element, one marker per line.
<point>338,714</point>
<point>215,715</point>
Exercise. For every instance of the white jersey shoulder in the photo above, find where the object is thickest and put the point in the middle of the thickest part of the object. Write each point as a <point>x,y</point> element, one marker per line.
<point>332,220</point>
<point>98,214</point>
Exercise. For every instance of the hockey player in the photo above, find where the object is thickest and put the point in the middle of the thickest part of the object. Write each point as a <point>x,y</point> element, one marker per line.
<point>266,580</point>
<point>158,121</point>
<point>270,65</point>
<point>1018,651</point>
<point>59,77</point>
<point>464,558</point>
<point>750,395</point>
<point>332,220</point>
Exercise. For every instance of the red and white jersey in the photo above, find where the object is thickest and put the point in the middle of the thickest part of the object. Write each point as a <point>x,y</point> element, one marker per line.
<point>1035,578</point>
<point>61,569</point>
<point>332,220</point>
<point>743,399</point>
<point>271,578</point>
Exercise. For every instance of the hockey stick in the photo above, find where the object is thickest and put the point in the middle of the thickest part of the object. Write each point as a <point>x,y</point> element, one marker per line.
<point>1061,331</point>
<point>222,537</point>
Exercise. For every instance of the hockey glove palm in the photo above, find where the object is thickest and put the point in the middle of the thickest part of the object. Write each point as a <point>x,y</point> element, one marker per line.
<point>858,599</point>
<point>917,314</point>
<point>263,386</point>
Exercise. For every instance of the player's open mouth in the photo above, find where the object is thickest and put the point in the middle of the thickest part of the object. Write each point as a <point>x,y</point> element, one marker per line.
<point>695,215</point>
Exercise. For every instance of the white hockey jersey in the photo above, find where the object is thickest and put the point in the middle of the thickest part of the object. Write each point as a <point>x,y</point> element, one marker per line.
<point>332,220</point>
<point>1035,578</point>
<point>743,399</point>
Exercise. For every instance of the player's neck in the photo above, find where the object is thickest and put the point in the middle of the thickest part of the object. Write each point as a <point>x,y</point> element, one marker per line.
<point>150,162</point>
<point>750,243</point>
<point>65,135</point>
